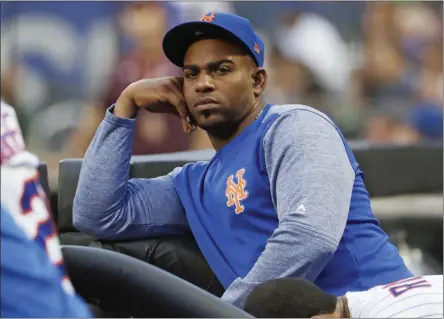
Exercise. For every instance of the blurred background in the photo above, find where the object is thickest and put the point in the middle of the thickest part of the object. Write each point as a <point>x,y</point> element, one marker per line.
<point>376,68</point>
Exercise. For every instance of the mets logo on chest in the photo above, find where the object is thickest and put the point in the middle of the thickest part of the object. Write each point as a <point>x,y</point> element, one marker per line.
<point>236,192</point>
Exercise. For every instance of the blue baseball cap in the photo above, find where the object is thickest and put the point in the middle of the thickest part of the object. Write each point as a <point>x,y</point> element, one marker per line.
<point>218,25</point>
<point>427,118</point>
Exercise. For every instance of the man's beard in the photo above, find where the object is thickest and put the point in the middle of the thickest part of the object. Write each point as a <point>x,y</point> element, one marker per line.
<point>227,127</point>
<point>222,130</point>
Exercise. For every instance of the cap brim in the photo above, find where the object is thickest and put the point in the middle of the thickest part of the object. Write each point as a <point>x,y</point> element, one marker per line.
<point>177,40</point>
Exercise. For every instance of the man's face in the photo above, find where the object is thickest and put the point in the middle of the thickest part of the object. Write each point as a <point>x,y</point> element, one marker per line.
<point>219,85</point>
<point>145,23</point>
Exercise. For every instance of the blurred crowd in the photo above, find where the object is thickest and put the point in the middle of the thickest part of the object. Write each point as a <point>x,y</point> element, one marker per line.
<point>376,68</point>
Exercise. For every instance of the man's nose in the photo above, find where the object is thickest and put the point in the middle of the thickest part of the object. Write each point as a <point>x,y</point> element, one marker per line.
<point>205,83</point>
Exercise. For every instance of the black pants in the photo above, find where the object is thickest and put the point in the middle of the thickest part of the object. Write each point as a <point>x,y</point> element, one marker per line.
<point>178,255</point>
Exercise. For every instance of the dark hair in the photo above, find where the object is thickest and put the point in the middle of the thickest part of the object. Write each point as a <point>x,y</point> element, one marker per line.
<point>289,298</point>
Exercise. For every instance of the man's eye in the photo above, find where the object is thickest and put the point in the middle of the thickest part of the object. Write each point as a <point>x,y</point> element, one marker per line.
<point>189,74</point>
<point>223,69</point>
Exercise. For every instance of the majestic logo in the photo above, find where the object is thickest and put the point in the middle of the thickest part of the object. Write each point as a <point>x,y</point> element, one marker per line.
<point>301,209</point>
<point>236,192</point>
<point>209,17</point>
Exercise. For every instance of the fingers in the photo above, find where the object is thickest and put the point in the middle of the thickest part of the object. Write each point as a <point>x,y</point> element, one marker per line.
<point>175,97</point>
<point>178,82</point>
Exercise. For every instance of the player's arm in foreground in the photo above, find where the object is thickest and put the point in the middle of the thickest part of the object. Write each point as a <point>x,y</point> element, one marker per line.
<point>311,180</point>
<point>30,284</point>
<point>107,203</point>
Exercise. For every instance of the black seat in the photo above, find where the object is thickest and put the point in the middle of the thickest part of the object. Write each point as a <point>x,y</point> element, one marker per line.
<point>69,171</point>
<point>392,170</point>
<point>125,285</point>
<point>43,177</point>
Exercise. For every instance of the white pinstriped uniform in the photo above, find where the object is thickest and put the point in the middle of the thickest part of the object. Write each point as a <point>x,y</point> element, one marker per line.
<point>416,297</point>
<point>19,182</point>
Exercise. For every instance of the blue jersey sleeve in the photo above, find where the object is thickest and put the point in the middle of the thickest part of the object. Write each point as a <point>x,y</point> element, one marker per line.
<point>30,285</point>
<point>110,205</point>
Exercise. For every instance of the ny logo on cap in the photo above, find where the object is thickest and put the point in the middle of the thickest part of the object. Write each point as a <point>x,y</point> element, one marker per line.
<point>209,17</point>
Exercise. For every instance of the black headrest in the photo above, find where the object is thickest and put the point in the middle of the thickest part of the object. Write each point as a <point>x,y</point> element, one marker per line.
<point>69,171</point>
<point>123,284</point>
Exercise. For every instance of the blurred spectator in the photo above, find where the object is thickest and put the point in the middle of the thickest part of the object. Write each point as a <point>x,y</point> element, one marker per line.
<point>313,41</point>
<point>418,27</point>
<point>401,70</point>
<point>375,68</point>
<point>309,63</point>
<point>193,10</point>
<point>53,55</point>
<point>145,24</point>
<point>427,119</point>
<point>290,81</point>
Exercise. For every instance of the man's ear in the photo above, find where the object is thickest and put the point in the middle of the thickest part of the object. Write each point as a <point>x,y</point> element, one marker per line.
<point>259,80</point>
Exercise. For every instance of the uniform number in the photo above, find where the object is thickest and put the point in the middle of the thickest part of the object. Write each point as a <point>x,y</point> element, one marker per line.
<point>402,286</point>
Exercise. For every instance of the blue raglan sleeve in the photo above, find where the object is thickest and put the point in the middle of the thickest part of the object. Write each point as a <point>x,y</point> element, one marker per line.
<point>311,182</point>
<point>110,205</point>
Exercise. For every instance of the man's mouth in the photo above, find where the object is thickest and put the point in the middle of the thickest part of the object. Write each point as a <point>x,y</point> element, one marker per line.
<point>206,104</point>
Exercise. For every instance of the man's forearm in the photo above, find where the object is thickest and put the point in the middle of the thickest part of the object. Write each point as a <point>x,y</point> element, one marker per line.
<point>294,250</point>
<point>124,107</point>
<point>105,170</point>
<point>110,205</point>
